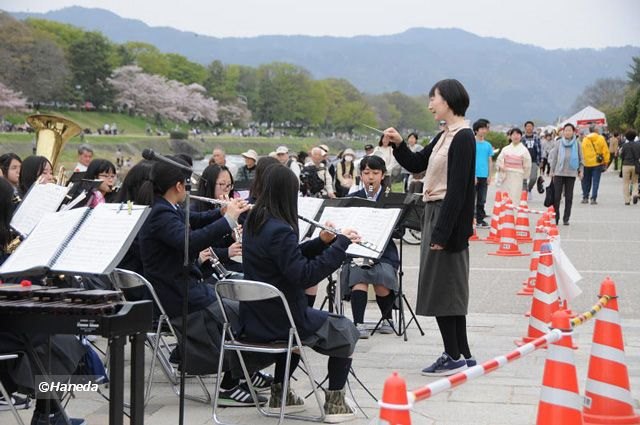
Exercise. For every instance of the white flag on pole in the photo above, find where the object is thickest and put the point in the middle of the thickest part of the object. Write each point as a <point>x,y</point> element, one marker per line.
<point>566,274</point>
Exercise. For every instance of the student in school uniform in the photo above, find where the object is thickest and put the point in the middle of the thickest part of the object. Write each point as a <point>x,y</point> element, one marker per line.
<point>382,273</point>
<point>161,242</point>
<point>271,253</point>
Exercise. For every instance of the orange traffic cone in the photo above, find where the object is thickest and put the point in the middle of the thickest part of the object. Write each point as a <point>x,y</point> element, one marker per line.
<point>523,233</point>
<point>539,239</point>
<point>394,407</point>
<point>508,244</point>
<point>560,399</point>
<point>545,297</point>
<point>494,236</point>
<point>608,395</point>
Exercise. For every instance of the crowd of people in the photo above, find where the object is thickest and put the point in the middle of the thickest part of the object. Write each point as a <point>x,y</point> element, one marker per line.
<point>452,173</point>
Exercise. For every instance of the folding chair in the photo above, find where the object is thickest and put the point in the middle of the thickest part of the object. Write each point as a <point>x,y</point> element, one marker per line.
<point>247,290</point>
<point>6,395</point>
<point>125,279</point>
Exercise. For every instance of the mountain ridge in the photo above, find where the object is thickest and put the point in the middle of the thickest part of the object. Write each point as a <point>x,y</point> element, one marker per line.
<point>515,82</point>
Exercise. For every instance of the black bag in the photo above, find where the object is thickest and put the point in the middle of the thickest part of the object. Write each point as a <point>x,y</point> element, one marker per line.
<point>310,182</point>
<point>549,197</point>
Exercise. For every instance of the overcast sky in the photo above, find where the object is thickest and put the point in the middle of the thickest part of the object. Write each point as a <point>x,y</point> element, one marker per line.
<point>546,23</point>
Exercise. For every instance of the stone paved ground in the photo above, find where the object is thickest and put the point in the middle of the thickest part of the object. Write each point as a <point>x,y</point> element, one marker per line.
<point>602,240</point>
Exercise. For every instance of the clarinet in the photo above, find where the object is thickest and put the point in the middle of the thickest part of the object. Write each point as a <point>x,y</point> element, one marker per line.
<point>220,271</point>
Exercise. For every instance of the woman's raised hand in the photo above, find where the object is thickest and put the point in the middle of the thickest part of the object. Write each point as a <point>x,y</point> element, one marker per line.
<point>392,135</point>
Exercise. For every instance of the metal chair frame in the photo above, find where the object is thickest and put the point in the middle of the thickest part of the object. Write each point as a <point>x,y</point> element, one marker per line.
<point>6,395</point>
<point>125,279</point>
<point>245,291</point>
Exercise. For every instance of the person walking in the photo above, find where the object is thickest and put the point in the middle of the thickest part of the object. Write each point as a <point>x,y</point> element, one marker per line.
<point>532,142</point>
<point>596,158</point>
<point>514,165</point>
<point>630,155</point>
<point>449,194</point>
<point>566,164</point>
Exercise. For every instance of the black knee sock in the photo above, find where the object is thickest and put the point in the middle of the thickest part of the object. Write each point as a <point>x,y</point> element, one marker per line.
<point>461,334</point>
<point>447,325</point>
<point>338,369</point>
<point>228,381</point>
<point>278,377</point>
<point>386,305</point>
<point>311,299</point>
<point>358,305</point>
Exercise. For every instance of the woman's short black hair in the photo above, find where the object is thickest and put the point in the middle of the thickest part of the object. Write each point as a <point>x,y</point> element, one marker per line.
<point>97,167</point>
<point>414,134</point>
<point>573,127</point>
<point>5,162</point>
<point>279,199</point>
<point>32,168</point>
<point>207,184</point>
<point>515,130</point>
<point>374,163</point>
<point>262,170</point>
<point>454,93</point>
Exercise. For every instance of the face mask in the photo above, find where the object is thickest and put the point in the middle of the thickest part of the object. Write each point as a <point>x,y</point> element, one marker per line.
<point>348,158</point>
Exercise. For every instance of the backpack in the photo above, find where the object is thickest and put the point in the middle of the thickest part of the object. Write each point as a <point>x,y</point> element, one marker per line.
<point>310,182</point>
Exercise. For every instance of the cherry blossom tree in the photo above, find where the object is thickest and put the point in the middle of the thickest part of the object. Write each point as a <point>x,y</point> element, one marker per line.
<point>11,100</point>
<point>149,95</point>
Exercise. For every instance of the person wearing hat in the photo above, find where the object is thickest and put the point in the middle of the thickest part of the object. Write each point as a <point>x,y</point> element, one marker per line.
<point>282,154</point>
<point>345,172</point>
<point>327,161</point>
<point>247,172</point>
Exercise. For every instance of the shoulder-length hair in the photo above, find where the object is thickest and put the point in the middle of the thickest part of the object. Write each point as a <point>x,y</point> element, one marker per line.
<point>32,168</point>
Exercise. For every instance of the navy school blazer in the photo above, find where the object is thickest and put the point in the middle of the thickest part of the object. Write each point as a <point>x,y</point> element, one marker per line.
<point>274,256</point>
<point>161,242</point>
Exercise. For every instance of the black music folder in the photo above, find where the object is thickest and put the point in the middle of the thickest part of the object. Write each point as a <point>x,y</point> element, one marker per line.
<point>79,241</point>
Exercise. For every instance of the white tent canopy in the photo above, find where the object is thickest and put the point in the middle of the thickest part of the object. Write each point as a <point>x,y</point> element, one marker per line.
<point>586,117</point>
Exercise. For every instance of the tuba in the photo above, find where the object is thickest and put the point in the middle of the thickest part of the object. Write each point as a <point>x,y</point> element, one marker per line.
<point>52,132</point>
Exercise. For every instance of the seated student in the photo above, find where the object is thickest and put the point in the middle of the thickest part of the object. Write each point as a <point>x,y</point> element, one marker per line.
<point>217,183</point>
<point>10,165</point>
<point>34,169</point>
<point>66,350</point>
<point>161,243</point>
<point>382,273</point>
<point>100,169</point>
<point>271,254</point>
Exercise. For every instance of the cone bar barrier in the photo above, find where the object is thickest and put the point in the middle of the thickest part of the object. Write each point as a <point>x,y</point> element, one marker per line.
<point>450,382</point>
<point>508,244</point>
<point>559,396</point>
<point>523,232</point>
<point>540,238</point>
<point>608,397</point>
<point>494,231</point>
<point>485,368</point>
<point>545,297</point>
<point>527,210</point>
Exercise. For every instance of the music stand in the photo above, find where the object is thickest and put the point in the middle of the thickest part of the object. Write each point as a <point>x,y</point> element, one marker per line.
<point>411,217</point>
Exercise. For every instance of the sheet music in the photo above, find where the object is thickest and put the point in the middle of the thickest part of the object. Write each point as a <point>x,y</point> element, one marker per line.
<point>40,200</point>
<point>39,249</point>
<point>308,208</point>
<point>102,239</point>
<point>374,225</point>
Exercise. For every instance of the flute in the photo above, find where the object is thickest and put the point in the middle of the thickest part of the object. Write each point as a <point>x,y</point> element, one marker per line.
<point>218,202</point>
<point>335,231</point>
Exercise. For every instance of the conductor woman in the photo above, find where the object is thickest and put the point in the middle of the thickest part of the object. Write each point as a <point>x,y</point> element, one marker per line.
<point>449,162</point>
